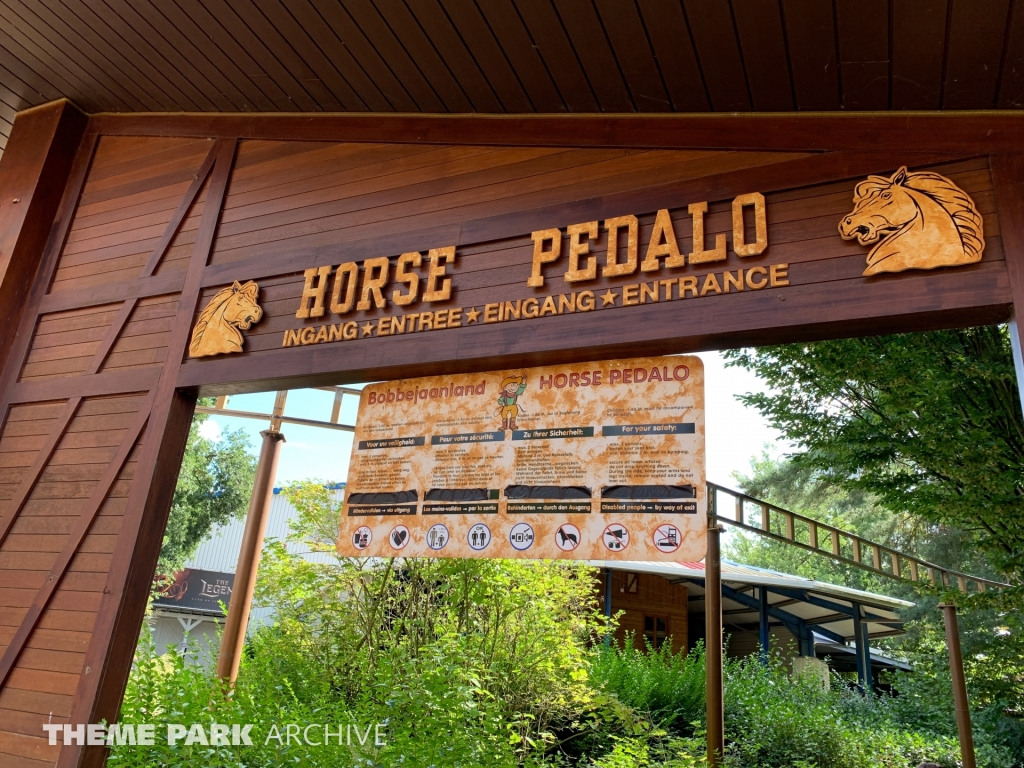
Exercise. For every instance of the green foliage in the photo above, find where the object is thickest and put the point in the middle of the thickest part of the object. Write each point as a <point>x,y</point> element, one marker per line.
<point>496,663</point>
<point>214,487</point>
<point>666,688</point>
<point>992,636</point>
<point>927,424</point>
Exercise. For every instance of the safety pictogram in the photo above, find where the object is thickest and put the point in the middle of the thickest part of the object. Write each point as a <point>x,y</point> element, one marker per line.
<point>479,537</point>
<point>615,537</point>
<point>361,537</point>
<point>521,536</point>
<point>667,538</point>
<point>399,537</point>
<point>567,537</point>
<point>437,536</point>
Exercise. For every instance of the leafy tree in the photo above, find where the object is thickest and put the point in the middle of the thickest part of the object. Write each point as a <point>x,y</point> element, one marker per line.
<point>214,487</point>
<point>928,425</point>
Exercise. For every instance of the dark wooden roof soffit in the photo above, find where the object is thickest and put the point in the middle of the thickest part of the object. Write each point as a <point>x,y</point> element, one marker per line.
<point>510,56</point>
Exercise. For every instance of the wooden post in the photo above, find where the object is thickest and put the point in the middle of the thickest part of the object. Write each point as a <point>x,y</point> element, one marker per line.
<point>233,639</point>
<point>715,696</point>
<point>33,173</point>
<point>1008,175</point>
<point>956,671</point>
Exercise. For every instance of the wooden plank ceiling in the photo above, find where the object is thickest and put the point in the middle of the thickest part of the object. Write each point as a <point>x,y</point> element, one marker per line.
<point>510,56</point>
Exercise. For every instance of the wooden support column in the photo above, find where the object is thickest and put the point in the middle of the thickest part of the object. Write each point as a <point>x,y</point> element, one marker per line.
<point>859,650</point>
<point>1008,176</point>
<point>33,173</point>
<point>715,695</point>
<point>233,639</point>
<point>956,671</point>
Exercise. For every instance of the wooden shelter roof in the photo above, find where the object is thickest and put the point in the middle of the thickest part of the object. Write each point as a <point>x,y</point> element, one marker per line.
<point>510,56</point>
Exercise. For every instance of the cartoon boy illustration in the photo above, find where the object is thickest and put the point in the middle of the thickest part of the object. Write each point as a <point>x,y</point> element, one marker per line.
<point>511,388</point>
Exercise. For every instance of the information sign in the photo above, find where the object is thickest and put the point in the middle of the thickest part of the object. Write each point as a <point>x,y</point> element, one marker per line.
<point>585,461</point>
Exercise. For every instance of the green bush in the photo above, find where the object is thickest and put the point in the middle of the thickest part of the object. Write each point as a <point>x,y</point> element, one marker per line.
<point>504,663</point>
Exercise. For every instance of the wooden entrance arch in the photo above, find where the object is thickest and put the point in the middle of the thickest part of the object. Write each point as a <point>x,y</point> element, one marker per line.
<point>117,231</point>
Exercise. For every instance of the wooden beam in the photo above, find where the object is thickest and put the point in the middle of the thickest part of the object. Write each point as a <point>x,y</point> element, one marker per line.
<point>108,658</point>
<point>34,171</point>
<point>984,132</point>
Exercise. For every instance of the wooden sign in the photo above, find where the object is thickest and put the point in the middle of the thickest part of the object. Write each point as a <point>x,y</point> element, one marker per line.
<point>192,255</point>
<point>585,461</point>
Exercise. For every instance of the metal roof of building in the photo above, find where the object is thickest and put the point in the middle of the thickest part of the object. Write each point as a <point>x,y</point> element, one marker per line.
<point>817,603</point>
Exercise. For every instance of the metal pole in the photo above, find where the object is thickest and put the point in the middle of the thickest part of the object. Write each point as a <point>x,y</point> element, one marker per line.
<point>714,693</point>
<point>858,647</point>
<point>608,603</point>
<point>956,671</point>
<point>1018,357</point>
<point>763,625</point>
<point>237,621</point>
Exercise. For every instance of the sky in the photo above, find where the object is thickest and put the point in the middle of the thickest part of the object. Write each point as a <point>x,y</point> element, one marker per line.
<point>735,433</point>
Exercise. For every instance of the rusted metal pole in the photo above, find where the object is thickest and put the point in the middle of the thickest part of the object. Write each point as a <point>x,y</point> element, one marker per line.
<point>237,621</point>
<point>956,671</point>
<point>714,692</point>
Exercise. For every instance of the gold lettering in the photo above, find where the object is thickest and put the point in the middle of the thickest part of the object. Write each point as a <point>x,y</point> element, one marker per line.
<point>710,284</point>
<point>439,259</point>
<point>777,273</point>
<point>699,255</point>
<point>334,333</point>
<point>612,266</point>
<point>346,274</point>
<point>629,293</point>
<point>398,324</point>
<point>530,307</point>
<point>314,292</point>
<point>292,338</point>
<point>734,280</point>
<point>687,284</point>
<point>511,310</point>
<point>440,319</point>
<point>308,335</point>
<point>739,235</point>
<point>566,302</point>
<point>585,301</point>
<point>425,321</point>
<point>372,284</point>
<point>543,256</point>
<point>403,275</point>
<point>549,307</point>
<point>384,327</point>
<point>663,243</point>
<point>455,317</point>
<point>576,249</point>
<point>750,278</point>
<point>351,329</point>
<point>491,312</point>
<point>321,335</point>
<point>667,286</point>
<point>648,292</point>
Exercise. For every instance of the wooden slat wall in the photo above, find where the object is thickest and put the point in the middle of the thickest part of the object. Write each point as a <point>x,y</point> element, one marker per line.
<point>67,467</point>
<point>510,56</point>
<point>162,223</point>
<point>310,204</point>
<point>655,596</point>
